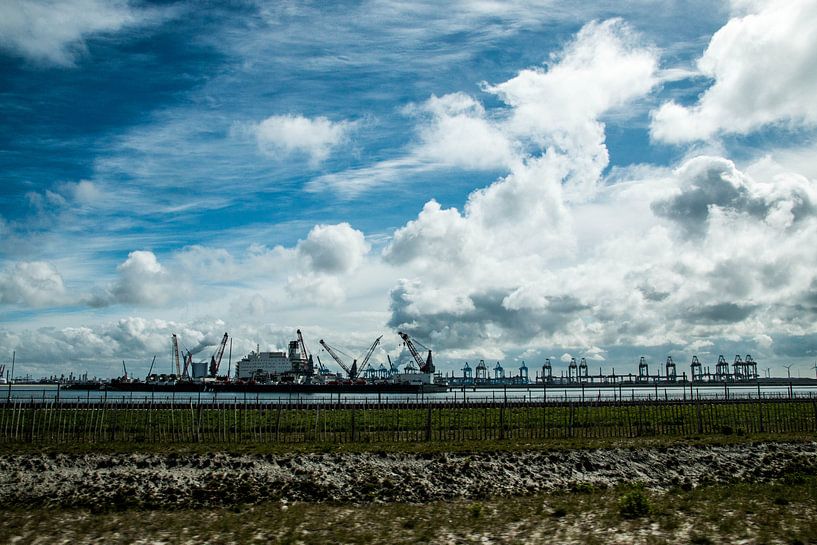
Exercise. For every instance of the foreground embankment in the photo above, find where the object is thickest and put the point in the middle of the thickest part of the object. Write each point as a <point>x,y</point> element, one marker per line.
<point>176,480</point>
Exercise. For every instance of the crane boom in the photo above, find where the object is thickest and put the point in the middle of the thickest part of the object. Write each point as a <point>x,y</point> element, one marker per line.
<point>336,357</point>
<point>302,346</point>
<point>412,350</point>
<point>188,360</point>
<point>215,361</point>
<point>305,356</point>
<point>425,366</point>
<point>176,355</point>
<point>369,355</point>
<point>323,370</point>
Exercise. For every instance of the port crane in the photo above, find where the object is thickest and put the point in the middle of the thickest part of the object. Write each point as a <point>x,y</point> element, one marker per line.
<point>215,360</point>
<point>354,371</point>
<point>175,355</point>
<point>351,372</point>
<point>188,361</point>
<point>368,355</point>
<point>425,366</point>
<point>322,370</point>
<point>305,357</point>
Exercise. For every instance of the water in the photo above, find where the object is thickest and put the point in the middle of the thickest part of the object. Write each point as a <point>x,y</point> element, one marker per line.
<point>534,393</point>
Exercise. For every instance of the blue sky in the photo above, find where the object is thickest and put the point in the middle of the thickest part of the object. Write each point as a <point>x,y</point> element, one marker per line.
<point>504,180</point>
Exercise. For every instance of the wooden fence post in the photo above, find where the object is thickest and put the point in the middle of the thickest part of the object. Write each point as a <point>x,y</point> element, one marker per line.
<point>502,422</point>
<point>428,423</point>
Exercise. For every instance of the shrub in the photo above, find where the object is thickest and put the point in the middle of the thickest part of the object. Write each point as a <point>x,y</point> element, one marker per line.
<point>558,512</point>
<point>475,510</point>
<point>583,487</point>
<point>634,504</point>
<point>794,478</point>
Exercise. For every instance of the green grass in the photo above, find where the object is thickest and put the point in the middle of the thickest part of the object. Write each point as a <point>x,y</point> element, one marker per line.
<point>421,447</point>
<point>778,512</point>
<point>234,424</point>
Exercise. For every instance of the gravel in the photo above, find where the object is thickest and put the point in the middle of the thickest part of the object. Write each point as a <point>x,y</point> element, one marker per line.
<point>116,481</point>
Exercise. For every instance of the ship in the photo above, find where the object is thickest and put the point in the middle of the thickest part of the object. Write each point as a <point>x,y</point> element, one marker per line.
<point>290,371</point>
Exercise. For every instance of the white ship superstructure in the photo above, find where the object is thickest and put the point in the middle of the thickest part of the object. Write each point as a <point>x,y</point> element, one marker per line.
<point>263,364</point>
<point>295,364</point>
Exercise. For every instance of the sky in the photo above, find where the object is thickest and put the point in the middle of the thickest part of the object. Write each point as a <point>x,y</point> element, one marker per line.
<point>507,181</point>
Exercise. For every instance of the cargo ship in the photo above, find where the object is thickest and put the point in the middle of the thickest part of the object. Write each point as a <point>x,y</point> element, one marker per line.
<point>290,371</point>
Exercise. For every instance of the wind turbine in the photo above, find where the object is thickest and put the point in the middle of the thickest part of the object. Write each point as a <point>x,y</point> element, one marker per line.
<point>768,372</point>
<point>788,369</point>
<point>815,368</point>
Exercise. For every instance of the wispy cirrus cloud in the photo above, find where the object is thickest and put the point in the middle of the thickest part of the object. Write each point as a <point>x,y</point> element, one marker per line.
<point>556,108</point>
<point>54,32</point>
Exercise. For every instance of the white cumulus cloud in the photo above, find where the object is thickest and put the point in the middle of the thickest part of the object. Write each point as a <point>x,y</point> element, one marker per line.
<point>334,249</point>
<point>459,134</point>
<point>283,135</point>
<point>763,68</point>
<point>548,256</point>
<point>33,284</point>
<point>141,280</point>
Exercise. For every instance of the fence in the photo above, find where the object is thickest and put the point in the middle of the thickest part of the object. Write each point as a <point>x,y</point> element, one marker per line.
<point>282,422</point>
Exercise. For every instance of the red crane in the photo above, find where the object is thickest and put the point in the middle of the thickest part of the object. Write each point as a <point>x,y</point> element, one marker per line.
<point>215,360</point>
<point>425,366</point>
<point>175,355</point>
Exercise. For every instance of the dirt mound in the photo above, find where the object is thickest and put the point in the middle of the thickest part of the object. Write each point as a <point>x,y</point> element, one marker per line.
<point>105,481</point>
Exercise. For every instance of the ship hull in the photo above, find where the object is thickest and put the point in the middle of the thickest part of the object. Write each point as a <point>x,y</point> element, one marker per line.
<point>148,387</point>
<point>237,387</point>
<point>385,388</point>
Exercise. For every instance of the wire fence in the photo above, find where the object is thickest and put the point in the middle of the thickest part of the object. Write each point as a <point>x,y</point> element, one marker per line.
<point>283,422</point>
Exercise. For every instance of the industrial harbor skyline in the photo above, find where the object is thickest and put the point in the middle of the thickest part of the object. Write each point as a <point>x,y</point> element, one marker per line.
<point>504,182</point>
